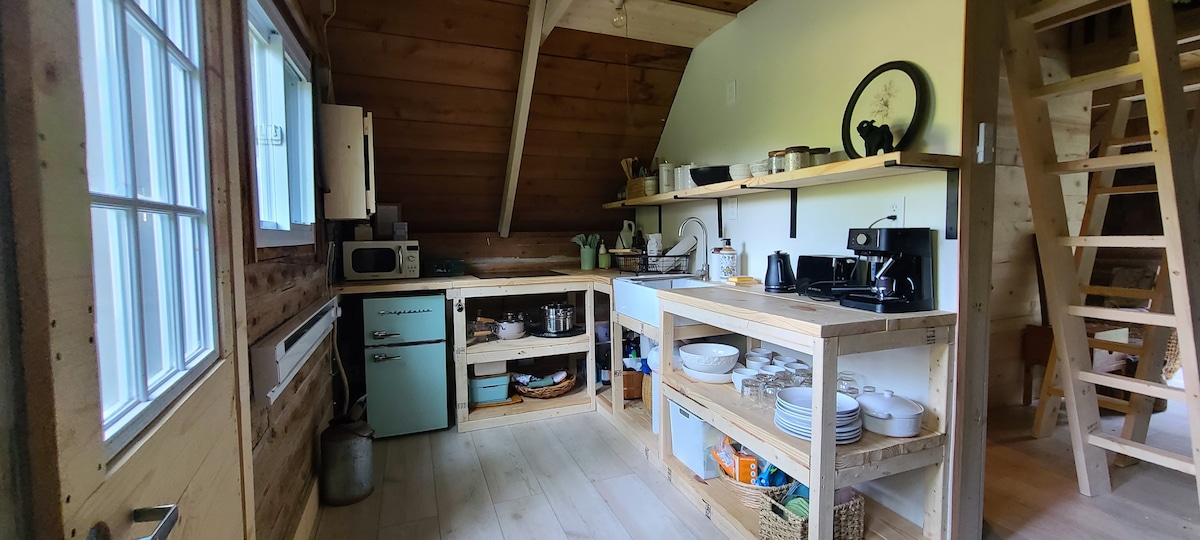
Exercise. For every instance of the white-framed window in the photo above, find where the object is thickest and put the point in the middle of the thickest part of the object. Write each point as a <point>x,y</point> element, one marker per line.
<point>152,250</point>
<point>282,103</point>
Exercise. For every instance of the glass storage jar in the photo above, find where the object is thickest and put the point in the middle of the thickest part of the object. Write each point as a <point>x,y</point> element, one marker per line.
<point>796,158</point>
<point>778,159</point>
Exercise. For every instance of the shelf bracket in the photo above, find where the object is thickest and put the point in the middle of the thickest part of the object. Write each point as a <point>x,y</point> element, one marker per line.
<point>795,197</point>
<point>952,180</point>
<point>720,212</point>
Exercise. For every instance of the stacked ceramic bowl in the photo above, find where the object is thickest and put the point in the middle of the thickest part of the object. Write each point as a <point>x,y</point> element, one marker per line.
<point>793,415</point>
<point>741,171</point>
<point>709,362</point>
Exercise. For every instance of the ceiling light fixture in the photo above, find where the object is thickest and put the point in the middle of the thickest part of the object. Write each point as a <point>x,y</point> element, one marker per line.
<point>619,19</point>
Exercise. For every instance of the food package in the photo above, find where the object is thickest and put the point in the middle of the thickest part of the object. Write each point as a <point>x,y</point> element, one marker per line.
<point>738,465</point>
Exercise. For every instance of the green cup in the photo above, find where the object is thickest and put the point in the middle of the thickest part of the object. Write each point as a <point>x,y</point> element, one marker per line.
<point>587,258</point>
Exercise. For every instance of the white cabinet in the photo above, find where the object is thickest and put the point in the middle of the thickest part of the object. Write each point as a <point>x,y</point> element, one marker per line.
<point>348,154</point>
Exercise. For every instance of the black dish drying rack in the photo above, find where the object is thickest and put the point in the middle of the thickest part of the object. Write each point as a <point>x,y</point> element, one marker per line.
<point>640,263</point>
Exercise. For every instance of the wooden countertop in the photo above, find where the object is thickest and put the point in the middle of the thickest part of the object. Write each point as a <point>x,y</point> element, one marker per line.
<point>795,313</point>
<point>566,275</point>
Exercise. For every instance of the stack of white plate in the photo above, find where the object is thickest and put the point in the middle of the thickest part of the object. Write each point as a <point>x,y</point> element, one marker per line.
<point>741,171</point>
<point>793,415</point>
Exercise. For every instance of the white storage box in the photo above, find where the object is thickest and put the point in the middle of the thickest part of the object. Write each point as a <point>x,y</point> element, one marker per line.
<point>691,439</point>
<point>491,368</point>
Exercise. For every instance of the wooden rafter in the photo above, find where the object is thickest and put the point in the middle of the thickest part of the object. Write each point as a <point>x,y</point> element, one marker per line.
<point>533,42</point>
<point>659,21</point>
<point>555,9</point>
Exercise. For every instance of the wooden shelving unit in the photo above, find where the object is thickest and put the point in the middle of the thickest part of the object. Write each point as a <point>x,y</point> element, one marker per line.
<point>604,398</point>
<point>893,164</point>
<point>580,399</point>
<point>825,331</point>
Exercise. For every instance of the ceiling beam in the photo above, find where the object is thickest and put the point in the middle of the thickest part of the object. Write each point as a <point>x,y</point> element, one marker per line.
<point>533,43</point>
<point>658,21</point>
<point>555,9</point>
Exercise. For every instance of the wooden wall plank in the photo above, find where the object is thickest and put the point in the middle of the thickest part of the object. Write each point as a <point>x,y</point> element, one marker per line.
<point>569,43</point>
<point>475,22</point>
<point>358,52</point>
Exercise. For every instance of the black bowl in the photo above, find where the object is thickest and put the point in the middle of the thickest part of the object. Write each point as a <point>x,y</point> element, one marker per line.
<point>704,176</point>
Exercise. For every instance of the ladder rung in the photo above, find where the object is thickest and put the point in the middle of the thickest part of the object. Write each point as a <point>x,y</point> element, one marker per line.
<point>1126,190</point>
<point>1120,292</point>
<point>1116,346</point>
<point>1143,452</point>
<point>1127,141</point>
<point>1105,402</point>
<point>1130,384</point>
<point>1114,241</point>
<point>1123,315</point>
<point>1078,14</point>
<point>1091,82</point>
<point>1045,9</point>
<point>1106,163</point>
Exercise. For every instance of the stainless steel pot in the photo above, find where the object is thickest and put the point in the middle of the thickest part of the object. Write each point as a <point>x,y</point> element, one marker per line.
<point>558,317</point>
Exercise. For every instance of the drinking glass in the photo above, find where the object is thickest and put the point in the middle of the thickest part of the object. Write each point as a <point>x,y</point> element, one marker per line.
<point>751,392</point>
<point>847,383</point>
<point>769,391</point>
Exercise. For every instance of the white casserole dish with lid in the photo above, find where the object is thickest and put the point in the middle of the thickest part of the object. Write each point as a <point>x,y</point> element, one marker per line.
<point>887,414</point>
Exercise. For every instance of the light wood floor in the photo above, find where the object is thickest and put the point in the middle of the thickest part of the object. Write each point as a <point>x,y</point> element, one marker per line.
<point>1031,491</point>
<point>572,477</point>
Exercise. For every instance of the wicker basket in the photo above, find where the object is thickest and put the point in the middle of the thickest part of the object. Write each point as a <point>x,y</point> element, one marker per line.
<point>547,392</point>
<point>751,495</point>
<point>648,393</point>
<point>635,188</point>
<point>848,521</point>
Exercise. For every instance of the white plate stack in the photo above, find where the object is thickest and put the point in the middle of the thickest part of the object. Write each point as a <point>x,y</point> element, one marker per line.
<point>793,415</point>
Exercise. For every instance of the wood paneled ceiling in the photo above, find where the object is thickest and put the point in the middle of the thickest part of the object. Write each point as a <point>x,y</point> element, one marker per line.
<point>441,78</point>
<point>728,6</point>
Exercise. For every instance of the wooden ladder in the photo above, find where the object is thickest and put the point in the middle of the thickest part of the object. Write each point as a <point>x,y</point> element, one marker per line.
<point>1151,348</point>
<point>1171,154</point>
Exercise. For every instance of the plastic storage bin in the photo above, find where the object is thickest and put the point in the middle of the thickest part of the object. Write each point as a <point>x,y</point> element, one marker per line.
<point>691,439</point>
<point>490,389</point>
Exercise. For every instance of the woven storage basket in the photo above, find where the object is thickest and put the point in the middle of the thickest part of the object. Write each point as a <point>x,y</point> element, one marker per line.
<point>848,521</point>
<point>751,495</point>
<point>635,188</point>
<point>648,393</point>
<point>547,392</point>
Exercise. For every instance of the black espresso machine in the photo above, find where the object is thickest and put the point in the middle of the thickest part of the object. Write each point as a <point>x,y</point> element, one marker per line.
<point>894,272</point>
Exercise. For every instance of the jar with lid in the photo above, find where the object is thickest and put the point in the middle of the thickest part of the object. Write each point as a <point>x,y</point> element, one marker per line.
<point>796,158</point>
<point>820,156</point>
<point>666,177</point>
<point>777,161</point>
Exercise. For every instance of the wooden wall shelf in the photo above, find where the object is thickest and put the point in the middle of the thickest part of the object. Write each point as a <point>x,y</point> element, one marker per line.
<point>893,164</point>
<point>527,347</point>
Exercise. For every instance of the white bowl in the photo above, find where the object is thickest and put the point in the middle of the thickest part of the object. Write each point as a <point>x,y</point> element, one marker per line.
<point>772,370</point>
<point>741,374</point>
<point>795,367</point>
<point>711,378</point>
<point>756,362</point>
<point>760,351</point>
<point>782,360</point>
<point>709,357</point>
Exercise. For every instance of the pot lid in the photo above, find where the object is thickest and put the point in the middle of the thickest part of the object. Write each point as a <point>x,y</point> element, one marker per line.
<point>886,404</point>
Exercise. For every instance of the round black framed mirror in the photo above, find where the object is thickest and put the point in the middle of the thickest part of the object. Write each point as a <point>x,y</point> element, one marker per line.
<point>887,111</point>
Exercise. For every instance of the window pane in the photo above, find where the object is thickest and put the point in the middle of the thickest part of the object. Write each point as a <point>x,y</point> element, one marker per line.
<point>181,30</point>
<point>195,275</point>
<point>116,340</point>
<point>105,116</point>
<point>147,95</point>
<point>151,7</point>
<point>181,135</point>
<point>300,149</point>
<point>160,292</point>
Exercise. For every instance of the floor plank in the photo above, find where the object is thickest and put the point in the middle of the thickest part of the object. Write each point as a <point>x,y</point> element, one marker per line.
<point>529,517</point>
<point>407,479</point>
<point>425,529</point>
<point>692,517</point>
<point>464,506</point>
<point>504,467</point>
<point>581,510</point>
<point>642,514</point>
<point>590,452</point>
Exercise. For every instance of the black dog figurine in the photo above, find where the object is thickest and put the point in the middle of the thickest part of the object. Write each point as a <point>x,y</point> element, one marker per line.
<point>875,138</point>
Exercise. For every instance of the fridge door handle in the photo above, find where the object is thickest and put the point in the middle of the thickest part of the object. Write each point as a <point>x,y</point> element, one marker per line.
<point>380,334</point>
<point>380,357</point>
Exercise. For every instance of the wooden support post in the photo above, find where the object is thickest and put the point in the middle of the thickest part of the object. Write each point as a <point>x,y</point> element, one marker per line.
<point>516,146</point>
<point>824,436</point>
<point>937,418</point>
<point>666,351</point>
<point>459,339</point>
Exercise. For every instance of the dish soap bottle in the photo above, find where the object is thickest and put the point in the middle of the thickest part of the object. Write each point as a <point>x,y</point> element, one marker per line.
<point>604,260</point>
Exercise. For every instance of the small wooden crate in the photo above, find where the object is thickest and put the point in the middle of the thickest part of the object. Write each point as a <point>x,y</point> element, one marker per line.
<point>631,384</point>
<point>635,188</point>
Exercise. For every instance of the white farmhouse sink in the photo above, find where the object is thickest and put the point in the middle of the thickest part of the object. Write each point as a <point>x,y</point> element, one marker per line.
<point>637,296</point>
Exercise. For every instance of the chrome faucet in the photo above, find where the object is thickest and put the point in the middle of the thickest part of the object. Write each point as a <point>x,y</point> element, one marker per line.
<point>702,248</point>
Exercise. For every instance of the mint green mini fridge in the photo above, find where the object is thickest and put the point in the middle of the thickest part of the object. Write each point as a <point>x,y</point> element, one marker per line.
<point>407,363</point>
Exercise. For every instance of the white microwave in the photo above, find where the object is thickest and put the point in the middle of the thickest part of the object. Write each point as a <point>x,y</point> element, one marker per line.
<point>381,260</point>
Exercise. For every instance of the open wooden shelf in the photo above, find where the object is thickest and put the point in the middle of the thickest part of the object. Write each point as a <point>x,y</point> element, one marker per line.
<point>874,456</point>
<point>739,521</point>
<point>604,397</point>
<point>893,164</point>
<point>527,347</point>
<point>575,401</point>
